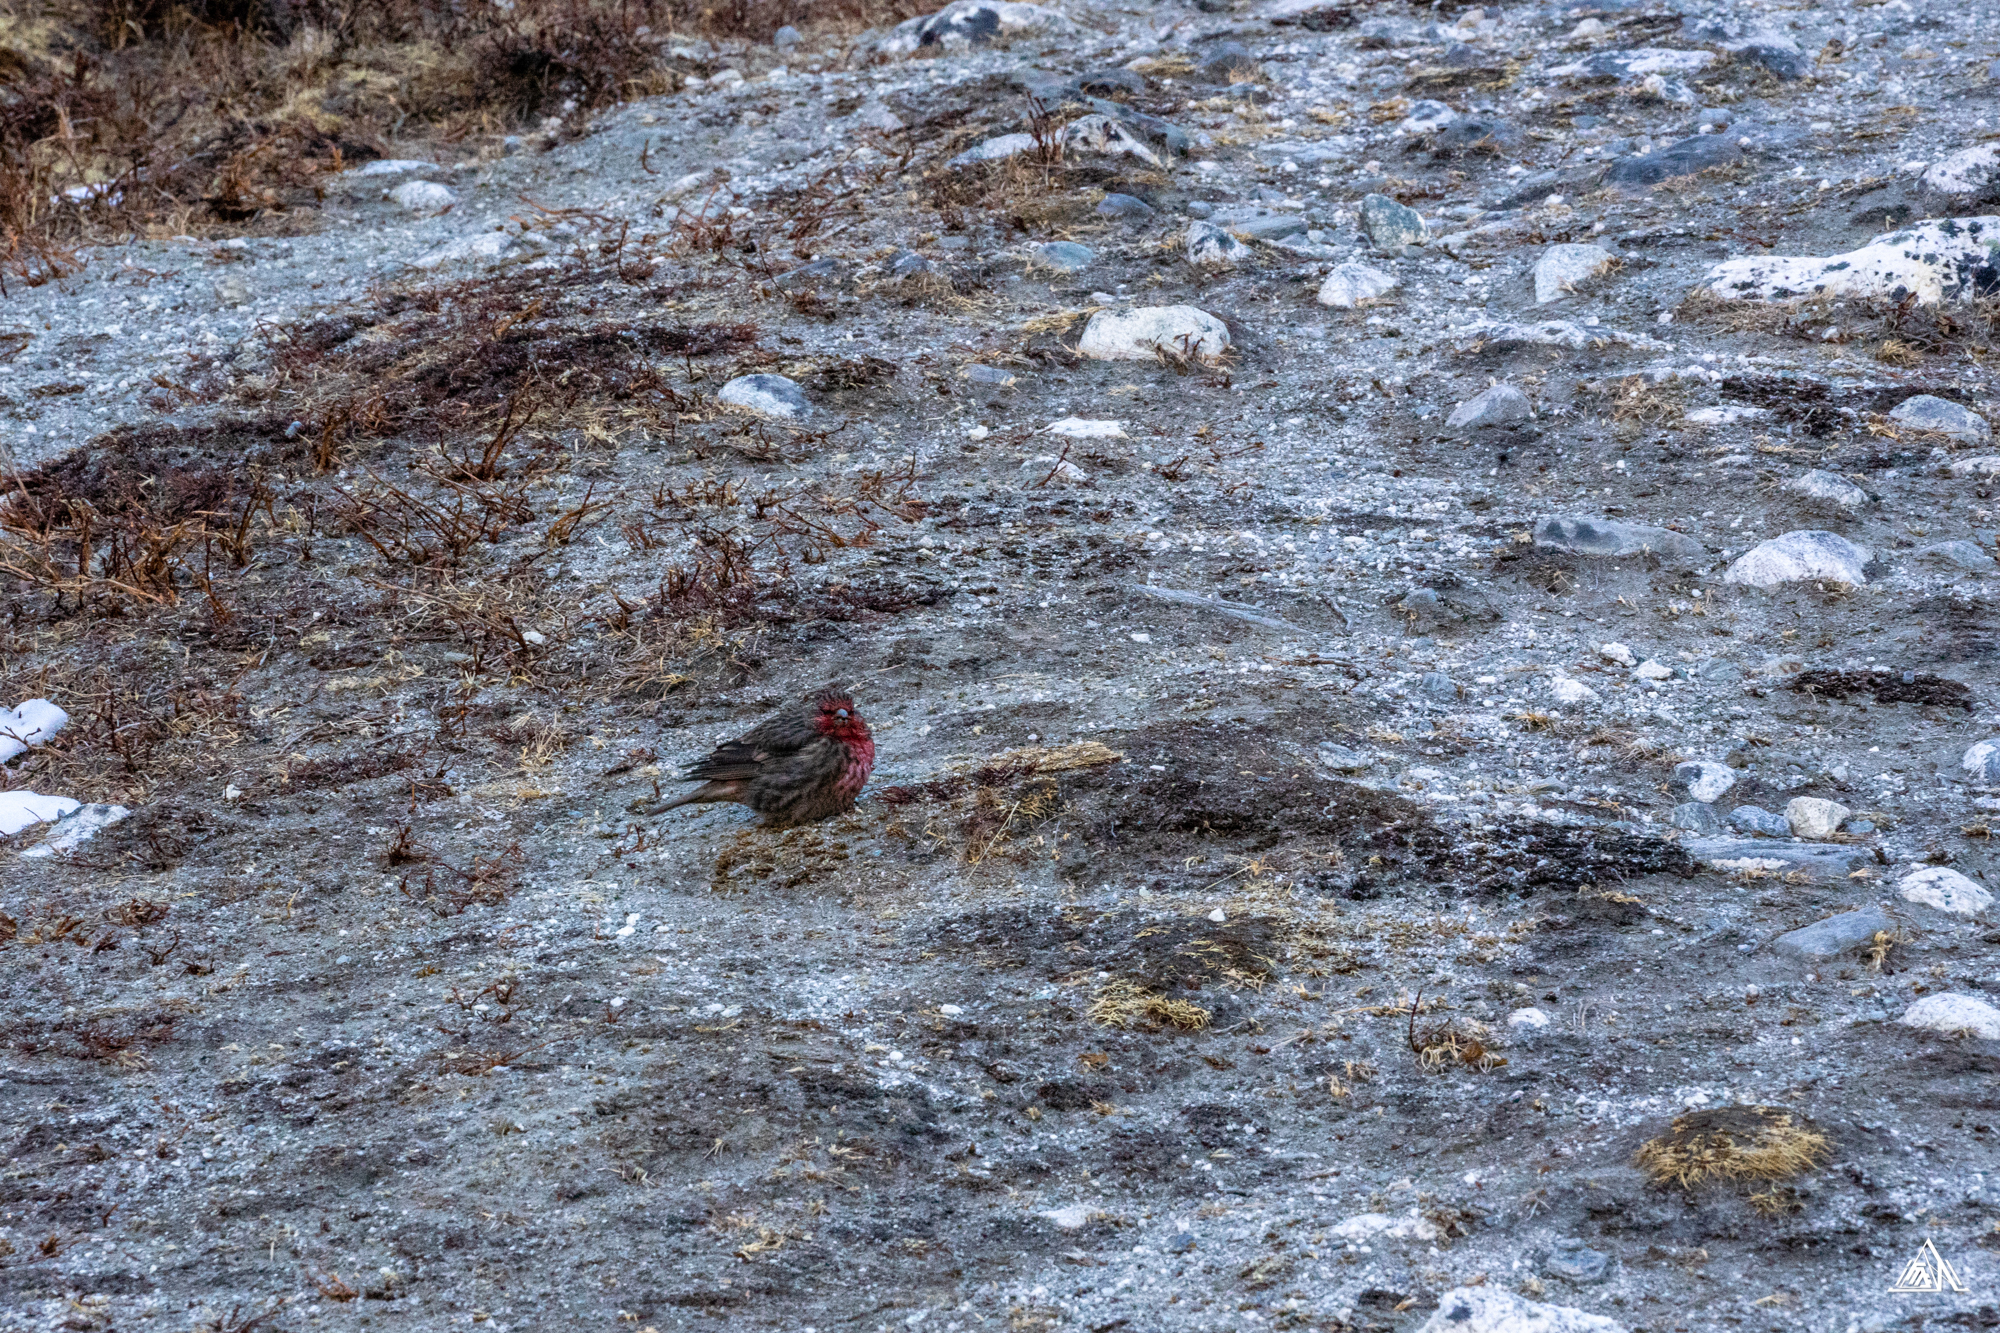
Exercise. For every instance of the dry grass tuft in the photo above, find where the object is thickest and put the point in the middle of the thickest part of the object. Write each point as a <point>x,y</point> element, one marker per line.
<point>1126,1004</point>
<point>1733,1143</point>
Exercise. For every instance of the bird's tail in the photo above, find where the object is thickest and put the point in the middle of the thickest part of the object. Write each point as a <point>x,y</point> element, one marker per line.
<point>702,795</point>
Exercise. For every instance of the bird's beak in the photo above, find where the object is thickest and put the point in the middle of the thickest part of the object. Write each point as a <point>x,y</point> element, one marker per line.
<point>840,712</point>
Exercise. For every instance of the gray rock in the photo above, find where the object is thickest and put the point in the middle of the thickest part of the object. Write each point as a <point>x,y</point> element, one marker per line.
<point>1500,405</point>
<point>1959,555</point>
<point>1259,224</point>
<point>968,23</point>
<point>1982,761</point>
<point>1830,859</point>
<point>1799,556</point>
<point>1828,490</point>
<point>1209,246</point>
<point>1815,817</point>
<point>1596,536</point>
<point>1941,416</point>
<point>1494,1309</point>
<point>1946,890</point>
<point>1756,819</point>
<point>1440,686</point>
<point>1955,1013</point>
<point>1685,158</point>
<point>1696,817</point>
<point>995,149</point>
<point>1562,267</point>
<point>1350,286</point>
<point>1969,176</point>
<point>1229,63</point>
<point>1835,935</point>
<point>1573,1261</point>
<point>1200,208</point>
<point>1393,228</point>
<point>766,395</point>
<point>1340,759</point>
<point>1702,780</point>
<point>1064,256</point>
<point>1128,207</point>
<point>424,196</point>
<point>1150,332</point>
<point>786,38</point>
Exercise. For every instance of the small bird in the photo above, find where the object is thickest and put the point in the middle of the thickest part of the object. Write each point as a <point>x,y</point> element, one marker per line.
<point>797,767</point>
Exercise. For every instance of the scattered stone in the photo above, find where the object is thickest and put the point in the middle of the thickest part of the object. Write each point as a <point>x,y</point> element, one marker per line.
<point>1651,670</point>
<point>1955,1013</point>
<point>1941,416</point>
<point>1501,405</point>
<point>1960,555</point>
<point>489,249</point>
<point>1971,175</point>
<point>1702,780</point>
<point>766,395</point>
<point>1064,256</point>
<point>1627,66</point>
<point>1834,860</point>
<point>1562,267</point>
<point>1527,1018</point>
<point>1798,556</point>
<point>1502,334</point>
<point>1605,537</point>
<point>1209,246</point>
<point>1366,1226</point>
<point>1351,286</point>
<point>995,149</point>
<point>1946,890</point>
<point>1394,229</point>
<point>1568,691</point>
<point>1494,1309</point>
<point>424,196</point>
<point>1340,759</point>
<point>1151,333</point>
<point>1756,819</point>
<point>1698,153</point>
<point>1814,817</point>
<point>1082,428</point>
<point>1696,817</point>
<point>1948,260</point>
<point>1623,656</point>
<point>969,23</point>
<point>1426,117</point>
<point>1835,935</point>
<point>1075,1217</point>
<point>1573,1261</point>
<point>1129,207</point>
<point>1828,489</point>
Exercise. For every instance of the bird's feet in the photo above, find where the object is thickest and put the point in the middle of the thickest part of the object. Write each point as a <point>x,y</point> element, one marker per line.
<point>642,806</point>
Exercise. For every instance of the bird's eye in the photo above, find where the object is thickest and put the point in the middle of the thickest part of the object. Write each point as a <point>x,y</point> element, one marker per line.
<point>840,712</point>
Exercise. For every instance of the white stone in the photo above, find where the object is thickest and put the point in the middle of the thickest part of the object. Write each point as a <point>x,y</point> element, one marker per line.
<point>1967,171</point>
<point>1209,246</point>
<point>1828,488</point>
<point>1727,415</point>
<point>423,196</point>
<point>1527,1018</point>
<point>1984,465</point>
<point>1814,817</point>
<point>958,26</point>
<point>1933,261</point>
<point>1151,333</point>
<point>994,149</point>
<point>1102,134</point>
<point>1706,780</point>
<point>30,725</point>
<point>950,1010</point>
<point>1073,1218</point>
<point>1562,267</point>
<point>1055,469</point>
<point>392,166</point>
<point>1651,670</point>
<point>1351,286</point>
<point>1218,915</point>
<point>1619,653</point>
<point>1955,1013</point>
<point>1365,1226</point>
<point>1945,889</point>
<point>1568,691</point>
<point>1982,760</point>
<point>1494,1309</point>
<point>1496,406</point>
<point>491,249</point>
<point>765,395</point>
<point>1941,416</point>
<point>1084,429</point>
<point>1798,556</point>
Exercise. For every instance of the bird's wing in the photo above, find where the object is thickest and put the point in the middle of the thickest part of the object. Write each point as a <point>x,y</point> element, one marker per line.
<point>735,761</point>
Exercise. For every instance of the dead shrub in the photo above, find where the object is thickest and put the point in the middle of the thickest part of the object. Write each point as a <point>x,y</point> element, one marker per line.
<point>1733,1143</point>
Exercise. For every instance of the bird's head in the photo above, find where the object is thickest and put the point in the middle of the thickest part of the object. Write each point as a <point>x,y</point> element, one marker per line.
<point>834,715</point>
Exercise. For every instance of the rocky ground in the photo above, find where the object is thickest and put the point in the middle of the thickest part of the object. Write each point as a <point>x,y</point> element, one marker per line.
<point>1429,657</point>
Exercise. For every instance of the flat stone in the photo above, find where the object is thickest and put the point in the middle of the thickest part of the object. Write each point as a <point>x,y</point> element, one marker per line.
<point>1568,691</point>
<point>1562,267</point>
<point>1960,555</point>
<point>1258,224</point>
<point>1944,260</point>
<point>1702,780</point>
<point>995,149</point>
<point>1573,1261</point>
<point>1393,228</point>
<point>75,828</point>
<point>1829,490</point>
<point>1604,537</point>
<point>1350,286</point>
<point>1814,817</point>
<point>1126,206</point>
<point>1494,1309</point>
<point>1941,416</point>
<point>1798,556</point>
<point>1150,332</point>
<point>1955,1013</point>
<point>1340,759</point>
<point>1652,670</point>
<point>1209,246</point>
<point>1499,405</point>
<point>424,196</point>
<point>1970,173</point>
<point>1835,935</point>
<point>1064,256</point>
<point>1685,158</point>
<point>1832,859</point>
<point>766,395</point>
<point>1946,890</point>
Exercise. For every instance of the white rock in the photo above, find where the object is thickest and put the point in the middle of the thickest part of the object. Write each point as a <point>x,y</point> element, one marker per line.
<point>1967,171</point>
<point>1055,469</point>
<point>1619,653</point>
<point>966,23</point>
<point>1351,286</point>
<point>994,149</point>
<point>1933,261</point>
<point>1828,488</point>
<point>1651,670</point>
<point>423,196</point>
<point>1982,760</point>
<point>1815,818</point>
<point>1527,1018</point>
<point>1496,406</point>
<point>491,249</point>
<point>1209,246</point>
<point>765,395</point>
<point>1727,415</point>
<point>1941,416</point>
<point>76,828</point>
<point>1548,333</point>
<point>1102,134</point>
<point>1985,465</point>
<point>1705,780</point>
<point>1798,556</point>
<point>1562,267</point>
<point>1073,1218</point>
<point>1084,429</point>
<point>1426,117</point>
<point>1945,889</point>
<point>392,166</point>
<point>1497,1310</point>
<point>18,809</point>
<point>950,1010</point>
<point>1567,691</point>
<point>1955,1013</point>
<point>1367,1225</point>
<point>1152,332</point>
<point>1218,915</point>
<point>32,724</point>
<point>875,116</point>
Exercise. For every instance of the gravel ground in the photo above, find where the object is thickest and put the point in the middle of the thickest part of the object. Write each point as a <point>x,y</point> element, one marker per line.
<point>1351,778</point>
